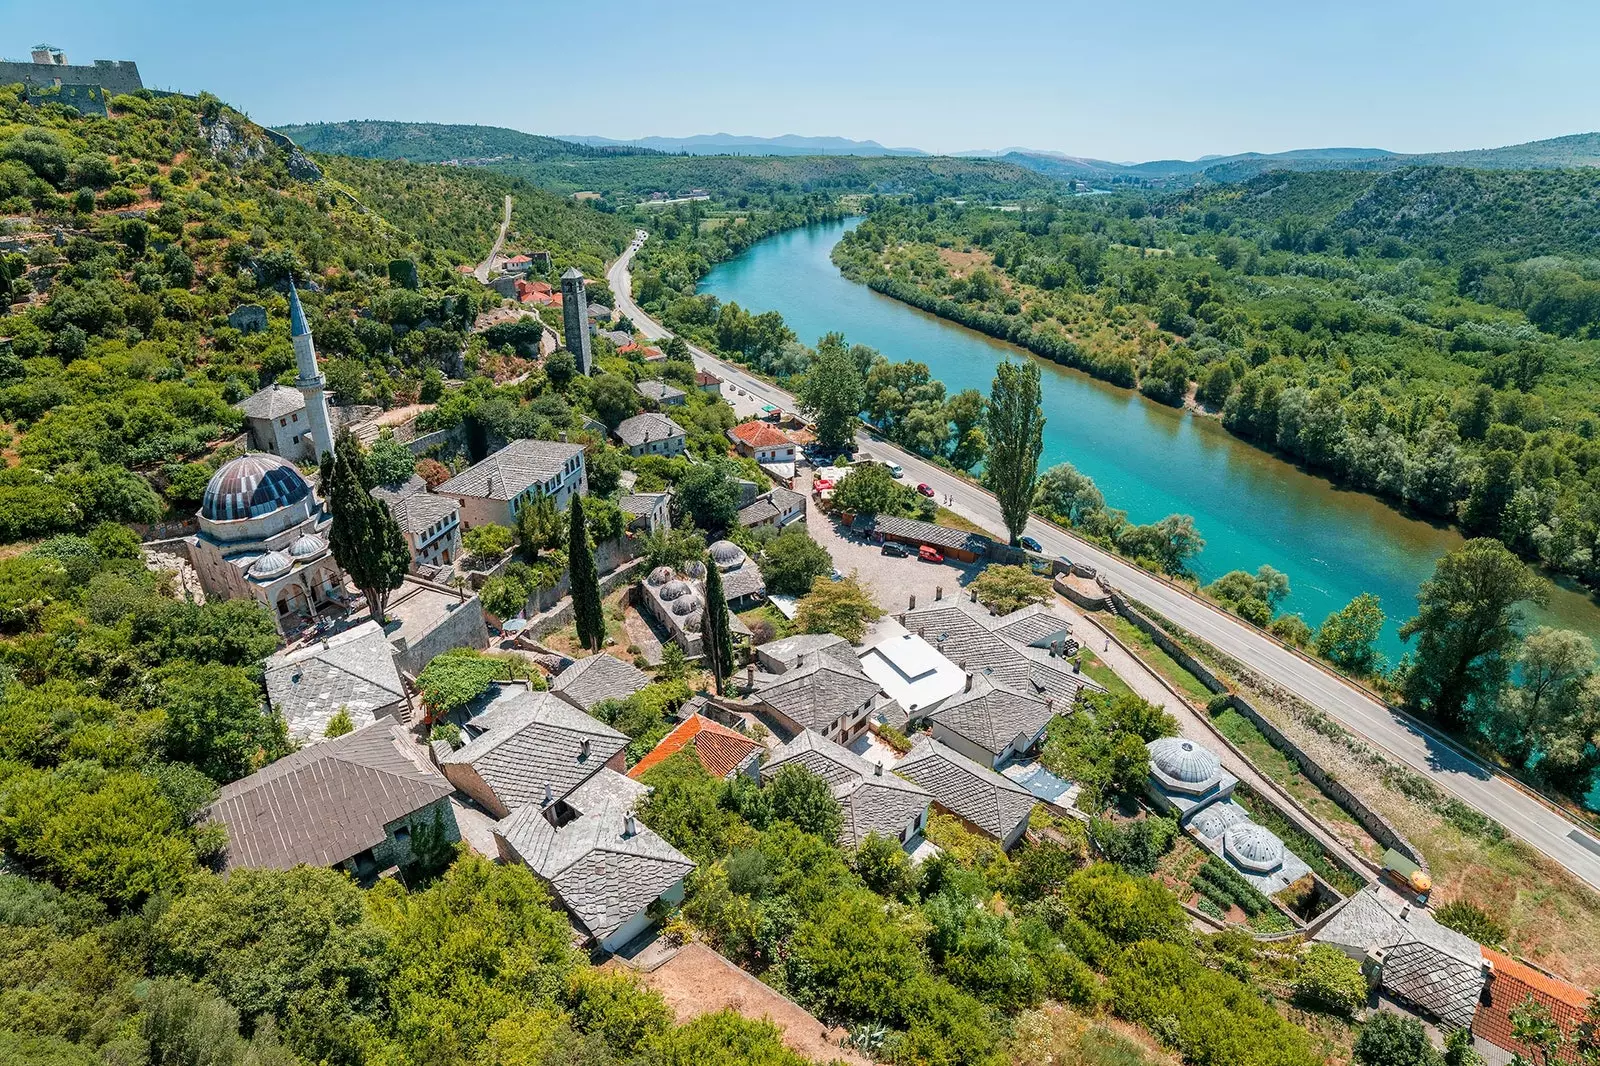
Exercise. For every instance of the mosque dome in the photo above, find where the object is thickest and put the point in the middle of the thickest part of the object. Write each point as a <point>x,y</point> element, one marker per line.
<point>1217,819</point>
<point>250,486</point>
<point>271,565</point>
<point>673,590</point>
<point>686,605</point>
<point>660,575</point>
<point>307,546</point>
<point>1253,847</point>
<point>695,569</point>
<point>727,555</point>
<point>1183,762</point>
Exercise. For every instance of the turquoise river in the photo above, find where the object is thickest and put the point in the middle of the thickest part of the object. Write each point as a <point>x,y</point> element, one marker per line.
<point>1147,459</point>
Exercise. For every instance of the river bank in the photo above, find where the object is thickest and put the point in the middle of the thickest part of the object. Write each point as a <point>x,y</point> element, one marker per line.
<point>1149,459</point>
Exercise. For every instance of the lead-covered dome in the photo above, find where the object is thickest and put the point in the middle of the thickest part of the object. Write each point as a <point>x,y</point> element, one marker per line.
<point>250,486</point>
<point>307,546</point>
<point>1253,847</point>
<point>695,569</point>
<point>1183,764</point>
<point>727,555</point>
<point>660,575</point>
<point>674,590</point>
<point>685,605</point>
<point>271,565</point>
<point>1217,819</point>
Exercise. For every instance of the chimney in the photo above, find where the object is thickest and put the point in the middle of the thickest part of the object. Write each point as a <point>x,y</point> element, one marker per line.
<point>913,605</point>
<point>1077,667</point>
<point>974,593</point>
<point>1050,704</point>
<point>583,749</point>
<point>922,631</point>
<point>969,680</point>
<point>629,827</point>
<point>750,676</point>
<point>938,593</point>
<point>877,769</point>
<point>549,794</point>
<point>1405,911</point>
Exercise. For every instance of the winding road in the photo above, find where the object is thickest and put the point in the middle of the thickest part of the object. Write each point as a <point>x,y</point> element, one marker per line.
<point>1406,741</point>
<point>481,271</point>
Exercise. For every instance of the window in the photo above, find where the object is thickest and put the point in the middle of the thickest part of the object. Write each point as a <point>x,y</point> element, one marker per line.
<point>402,834</point>
<point>283,421</point>
<point>295,417</point>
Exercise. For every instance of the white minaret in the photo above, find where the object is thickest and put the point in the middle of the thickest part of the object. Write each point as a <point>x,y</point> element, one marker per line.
<point>310,382</point>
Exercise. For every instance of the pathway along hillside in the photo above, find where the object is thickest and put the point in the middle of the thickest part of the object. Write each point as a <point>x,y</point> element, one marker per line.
<point>1469,780</point>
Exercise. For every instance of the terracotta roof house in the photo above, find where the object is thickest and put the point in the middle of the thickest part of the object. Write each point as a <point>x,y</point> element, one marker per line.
<point>1418,961</point>
<point>353,802</point>
<point>706,381</point>
<point>528,747</point>
<point>604,865</point>
<point>722,752</point>
<point>871,800</point>
<point>762,441</point>
<point>651,433</point>
<point>991,804</point>
<point>591,681</point>
<point>353,670</point>
<point>1511,984</point>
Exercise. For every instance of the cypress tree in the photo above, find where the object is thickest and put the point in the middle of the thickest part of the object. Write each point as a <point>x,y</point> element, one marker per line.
<point>366,540</point>
<point>716,635</point>
<point>587,612</point>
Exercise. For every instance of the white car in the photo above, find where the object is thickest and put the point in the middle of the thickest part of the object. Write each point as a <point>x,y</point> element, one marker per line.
<point>895,470</point>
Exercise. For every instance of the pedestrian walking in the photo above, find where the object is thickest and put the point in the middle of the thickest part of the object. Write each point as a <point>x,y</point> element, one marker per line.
<point>1108,644</point>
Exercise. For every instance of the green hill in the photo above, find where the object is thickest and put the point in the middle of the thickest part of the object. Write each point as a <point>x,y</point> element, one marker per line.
<point>432,142</point>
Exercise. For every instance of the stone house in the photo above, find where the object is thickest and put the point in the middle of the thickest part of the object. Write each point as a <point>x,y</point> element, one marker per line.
<point>985,801</point>
<point>275,422</point>
<point>658,391</point>
<point>870,800</point>
<point>651,433</point>
<point>353,671</point>
<point>495,489</point>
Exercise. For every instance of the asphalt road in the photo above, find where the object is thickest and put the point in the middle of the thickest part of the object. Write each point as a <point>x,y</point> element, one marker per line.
<point>1469,780</point>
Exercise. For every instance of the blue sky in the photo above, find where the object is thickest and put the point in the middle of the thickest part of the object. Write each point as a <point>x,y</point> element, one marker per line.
<point>1153,79</point>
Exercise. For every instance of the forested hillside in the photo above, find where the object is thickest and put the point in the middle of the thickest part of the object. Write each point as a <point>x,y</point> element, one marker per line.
<point>1424,335</point>
<point>434,142</point>
<point>118,382</point>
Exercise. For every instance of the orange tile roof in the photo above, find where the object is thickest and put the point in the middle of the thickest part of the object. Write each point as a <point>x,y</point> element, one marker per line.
<point>1509,987</point>
<point>760,435</point>
<point>719,749</point>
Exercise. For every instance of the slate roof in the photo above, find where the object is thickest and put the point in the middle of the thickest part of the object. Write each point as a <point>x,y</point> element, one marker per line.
<point>354,670</point>
<point>787,499</point>
<point>928,533</point>
<point>603,873</point>
<point>421,511</point>
<point>787,652</point>
<point>991,716</point>
<point>513,468</point>
<point>274,401</point>
<point>720,750</point>
<point>640,504</point>
<point>1425,964</point>
<point>591,681</point>
<point>658,390</point>
<point>964,631</point>
<point>743,580</point>
<point>642,429</point>
<point>993,803</point>
<point>325,803</point>
<point>1033,625</point>
<point>523,740</point>
<point>763,510</point>
<point>1510,984</point>
<point>817,694</point>
<point>871,800</point>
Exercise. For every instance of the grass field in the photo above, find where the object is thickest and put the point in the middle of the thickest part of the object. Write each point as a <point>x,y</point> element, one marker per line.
<point>1158,660</point>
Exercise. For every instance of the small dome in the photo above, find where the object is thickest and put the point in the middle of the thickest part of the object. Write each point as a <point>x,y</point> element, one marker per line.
<point>270,565</point>
<point>307,546</point>
<point>695,569</point>
<point>250,486</point>
<point>686,605</point>
<point>673,590</point>
<point>726,554</point>
<point>693,625</point>
<point>1217,819</point>
<point>1253,847</point>
<point>1183,762</point>
<point>659,576</point>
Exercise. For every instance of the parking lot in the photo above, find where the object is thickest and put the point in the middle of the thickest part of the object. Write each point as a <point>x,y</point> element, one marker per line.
<point>892,580</point>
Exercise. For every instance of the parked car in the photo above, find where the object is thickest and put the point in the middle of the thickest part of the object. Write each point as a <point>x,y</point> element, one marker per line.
<point>895,549</point>
<point>925,488</point>
<point>929,554</point>
<point>896,471</point>
<point>1031,544</point>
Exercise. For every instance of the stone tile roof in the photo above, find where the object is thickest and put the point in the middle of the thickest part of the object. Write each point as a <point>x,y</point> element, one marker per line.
<point>991,716</point>
<point>393,494</point>
<point>787,499</point>
<point>1511,983</point>
<point>720,750</point>
<point>744,580</point>
<point>354,670</point>
<point>604,870</point>
<point>523,741</point>
<point>965,631</point>
<point>659,391</point>
<point>591,681</point>
<point>1425,964</point>
<point>928,533</point>
<point>1034,625</point>
<point>640,504</point>
<point>763,510</point>
<point>642,429</point>
<point>818,693</point>
<point>512,469</point>
<point>992,803</point>
<point>274,401</point>
<point>789,651</point>
<point>421,511</point>
<point>871,800</point>
<point>325,803</point>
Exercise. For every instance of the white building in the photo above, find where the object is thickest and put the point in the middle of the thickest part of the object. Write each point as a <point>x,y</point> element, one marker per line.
<point>494,490</point>
<point>293,423</point>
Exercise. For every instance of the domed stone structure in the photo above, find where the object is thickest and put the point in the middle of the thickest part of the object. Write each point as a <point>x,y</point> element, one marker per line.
<point>660,576</point>
<point>1182,765</point>
<point>726,554</point>
<point>686,605</point>
<point>674,590</point>
<point>695,569</point>
<point>1214,821</point>
<point>264,536</point>
<point>1253,847</point>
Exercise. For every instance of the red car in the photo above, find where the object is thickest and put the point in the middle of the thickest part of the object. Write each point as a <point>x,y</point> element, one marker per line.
<point>929,554</point>
<point>925,488</point>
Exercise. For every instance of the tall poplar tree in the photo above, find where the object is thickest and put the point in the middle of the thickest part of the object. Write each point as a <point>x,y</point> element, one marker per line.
<point>1016,437</point>
<point>366,540</point>
<point>716,634</point>
<point>587,612</point>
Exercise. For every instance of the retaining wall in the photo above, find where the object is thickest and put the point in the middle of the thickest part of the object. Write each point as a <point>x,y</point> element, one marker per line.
<point>561,613</point>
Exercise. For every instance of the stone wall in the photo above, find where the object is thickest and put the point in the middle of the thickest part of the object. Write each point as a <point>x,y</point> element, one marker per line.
<point>561,613</point>
<point>1381,829</point>
<point>115,76</point>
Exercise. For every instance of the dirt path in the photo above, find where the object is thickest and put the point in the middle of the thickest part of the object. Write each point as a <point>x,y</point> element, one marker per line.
<point>481,271</point>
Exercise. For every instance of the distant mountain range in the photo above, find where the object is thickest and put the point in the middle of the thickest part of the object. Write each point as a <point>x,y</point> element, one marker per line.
<point>435,142</point>
<point>734,144</point>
